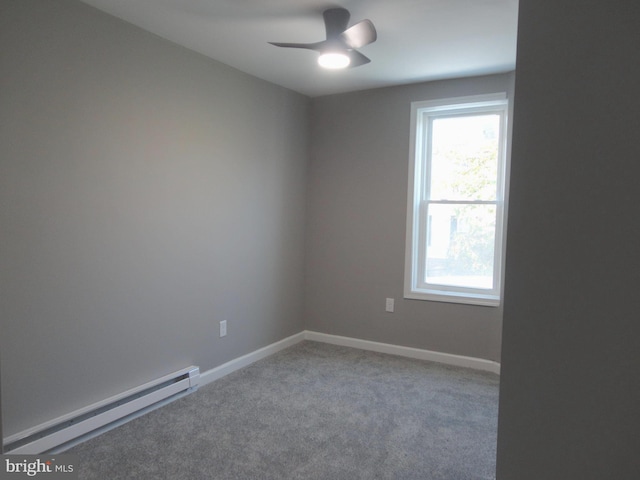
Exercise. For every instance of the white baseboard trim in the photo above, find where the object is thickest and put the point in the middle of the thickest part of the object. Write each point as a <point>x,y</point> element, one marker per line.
<point>240,362</point>
<point>439,357</point>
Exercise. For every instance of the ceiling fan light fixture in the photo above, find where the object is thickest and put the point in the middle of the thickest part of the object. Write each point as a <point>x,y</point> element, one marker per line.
<point>334,60</point>
<point>339,50</point>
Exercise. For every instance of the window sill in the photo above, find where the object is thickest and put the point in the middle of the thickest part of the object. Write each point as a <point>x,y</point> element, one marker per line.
<point>454,297</point>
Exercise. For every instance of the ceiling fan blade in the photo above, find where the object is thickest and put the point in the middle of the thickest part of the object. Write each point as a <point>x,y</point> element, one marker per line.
<point>308,46</point>
<point>357,58</point>
<point>335,21</point>
<point>358,35</point>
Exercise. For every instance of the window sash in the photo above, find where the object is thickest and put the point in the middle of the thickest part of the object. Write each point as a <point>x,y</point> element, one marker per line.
<point>426,230</point>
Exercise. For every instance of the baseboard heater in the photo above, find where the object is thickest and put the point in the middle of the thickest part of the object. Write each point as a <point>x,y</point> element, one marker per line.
<point>101,415</point>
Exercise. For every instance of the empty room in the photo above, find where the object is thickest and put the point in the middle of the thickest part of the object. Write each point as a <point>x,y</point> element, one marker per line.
<point>309,240</point>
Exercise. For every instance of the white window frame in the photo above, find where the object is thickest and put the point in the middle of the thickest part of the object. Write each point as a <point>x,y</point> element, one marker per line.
<point>422,114</point>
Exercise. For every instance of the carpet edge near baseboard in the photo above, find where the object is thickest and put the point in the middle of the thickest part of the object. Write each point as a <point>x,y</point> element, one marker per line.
<point>410,352</point>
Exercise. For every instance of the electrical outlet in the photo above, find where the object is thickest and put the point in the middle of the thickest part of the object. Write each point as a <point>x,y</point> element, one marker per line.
<point>389,307</point>
<point>223,328</point>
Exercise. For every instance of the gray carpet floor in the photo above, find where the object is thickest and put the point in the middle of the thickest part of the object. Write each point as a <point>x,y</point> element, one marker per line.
<point>313,411</point>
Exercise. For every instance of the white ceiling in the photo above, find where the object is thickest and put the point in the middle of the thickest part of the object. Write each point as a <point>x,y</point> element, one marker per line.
<point>418,40</point>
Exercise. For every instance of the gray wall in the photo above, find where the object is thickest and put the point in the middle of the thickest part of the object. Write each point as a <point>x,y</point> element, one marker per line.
<point>356,224</point>
<point>570,384</point>
<point>1,434</point>
<point>146,194</point>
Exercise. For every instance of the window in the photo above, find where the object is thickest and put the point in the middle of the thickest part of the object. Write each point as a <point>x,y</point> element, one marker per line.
<point>456,200</point>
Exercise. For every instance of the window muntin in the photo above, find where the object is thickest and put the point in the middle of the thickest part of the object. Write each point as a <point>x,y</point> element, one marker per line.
<point>456,200</point>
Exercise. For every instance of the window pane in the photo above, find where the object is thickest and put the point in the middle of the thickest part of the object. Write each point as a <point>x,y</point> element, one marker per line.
<point>464,157</point>
<point>460,245</point>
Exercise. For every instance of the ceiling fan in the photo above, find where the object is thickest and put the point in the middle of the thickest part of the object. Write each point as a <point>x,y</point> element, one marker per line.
<point>339,49</point>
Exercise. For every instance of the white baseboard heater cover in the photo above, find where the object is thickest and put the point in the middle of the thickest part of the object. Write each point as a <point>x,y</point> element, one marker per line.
<point>59,431</point>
